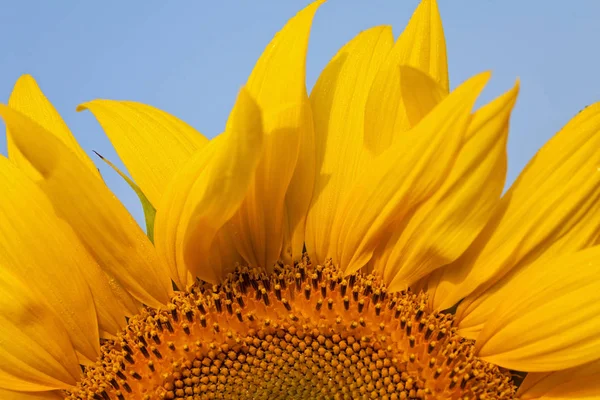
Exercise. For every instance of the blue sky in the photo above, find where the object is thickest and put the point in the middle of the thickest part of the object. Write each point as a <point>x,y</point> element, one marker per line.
<point>190,57</point>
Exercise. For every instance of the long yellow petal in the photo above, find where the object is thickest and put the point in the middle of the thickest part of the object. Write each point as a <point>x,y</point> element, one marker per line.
<point>35,349</point>
<point>28,99</point>
<point>111,301</point>
<point>446,224</point>
<point>152,144</point>
<point>549,318</point>
<point>278,85</point>
<point>420,95</point>
<point>34,247</point>
<point>422,46</point>
<point>299,195</point>
<point>168,215</point>
<point>404,176</point>
<point>581,383</point>
<point>206,193</point>
<point>223,257</point>
<point>47,395</point>
<point>551,209</point>
<point>338,100</point>
<point>100,221</point>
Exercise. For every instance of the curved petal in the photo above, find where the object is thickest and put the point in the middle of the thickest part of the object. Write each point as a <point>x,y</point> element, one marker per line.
<point>403,176</point>
<point>168,216</point>
<point>299,195</point>
<point>420,95</point>
<point>278,85</point>
<point>100,221</point>
<point>581,383</point>
<point>551,209</point>
<point>206,193</point>
<point>422,46</point>
<point>561,299</point>
<point>46,395</point>
<point>447,223</point>
<point>35,349</point>
<point>28,99</point>
<point>338,100</point>
<point>32,246</point>
<point>152,144</point>
<point>111,301</point>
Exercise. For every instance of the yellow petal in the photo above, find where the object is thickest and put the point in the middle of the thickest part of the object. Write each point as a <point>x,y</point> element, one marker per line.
<point>404,176</point>
<point>278,85</point>
<point>34,247</point>
<point>111,301</point>
<point>152,144</point>
<point>551,209</point>
<point>420,95</point>
<point>549,318</point>
<point>206,193</point>
<point>168,216</point>
<point>47,395</point>
<point>422,46</point>
<point>338,100</point>
<point>102,224</point>
<point>35,349</point>
<point>28,99</point>
<point>299,193</point>
<point>223,257</point>
<point>581,383</point>
<point>447,223</point>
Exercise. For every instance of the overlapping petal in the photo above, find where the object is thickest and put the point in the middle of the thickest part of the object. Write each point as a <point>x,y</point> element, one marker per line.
<point>549,317</point>
<point>278,85</point>
<point>422,46</point>
<point>381,168</point>
<point>404,176</point>
<point>551,209</point>
<point>28,99</point>
<point>338,100</point>
<point>112,302</point>
<point>152,144</point>
<point>443,226</point>
<point>18,395</point>
<point>103,225</point>
<point>206,193</point>
<point>581,383</point>
<point>32,248</point>
<point>35,348</point>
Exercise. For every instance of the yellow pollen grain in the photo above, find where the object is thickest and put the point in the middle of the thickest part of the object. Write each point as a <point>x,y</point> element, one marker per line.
<point>301,332</point>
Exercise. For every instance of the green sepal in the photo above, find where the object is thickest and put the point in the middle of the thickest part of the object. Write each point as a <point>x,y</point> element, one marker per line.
<point>149,210</point>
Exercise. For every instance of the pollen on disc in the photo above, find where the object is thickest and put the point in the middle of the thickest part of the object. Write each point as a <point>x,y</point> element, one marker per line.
<point>301,332</point>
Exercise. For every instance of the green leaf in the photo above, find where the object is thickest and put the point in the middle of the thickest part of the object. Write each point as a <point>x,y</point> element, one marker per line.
<point>149,210</point>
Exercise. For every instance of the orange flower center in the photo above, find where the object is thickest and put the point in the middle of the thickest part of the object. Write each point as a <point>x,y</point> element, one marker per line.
<point>300,332</point>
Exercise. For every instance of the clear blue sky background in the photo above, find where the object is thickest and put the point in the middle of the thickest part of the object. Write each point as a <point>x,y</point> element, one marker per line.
<point>190,57</point>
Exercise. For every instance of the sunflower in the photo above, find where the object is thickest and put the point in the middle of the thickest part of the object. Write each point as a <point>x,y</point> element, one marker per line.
<point>354,243</point>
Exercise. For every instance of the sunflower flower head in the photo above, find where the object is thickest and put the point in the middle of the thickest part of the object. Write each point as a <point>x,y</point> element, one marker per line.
<point>350,243</point>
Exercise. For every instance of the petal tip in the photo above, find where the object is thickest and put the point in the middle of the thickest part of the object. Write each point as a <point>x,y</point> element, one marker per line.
<point>82,107</point>
<point>25,78</point>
